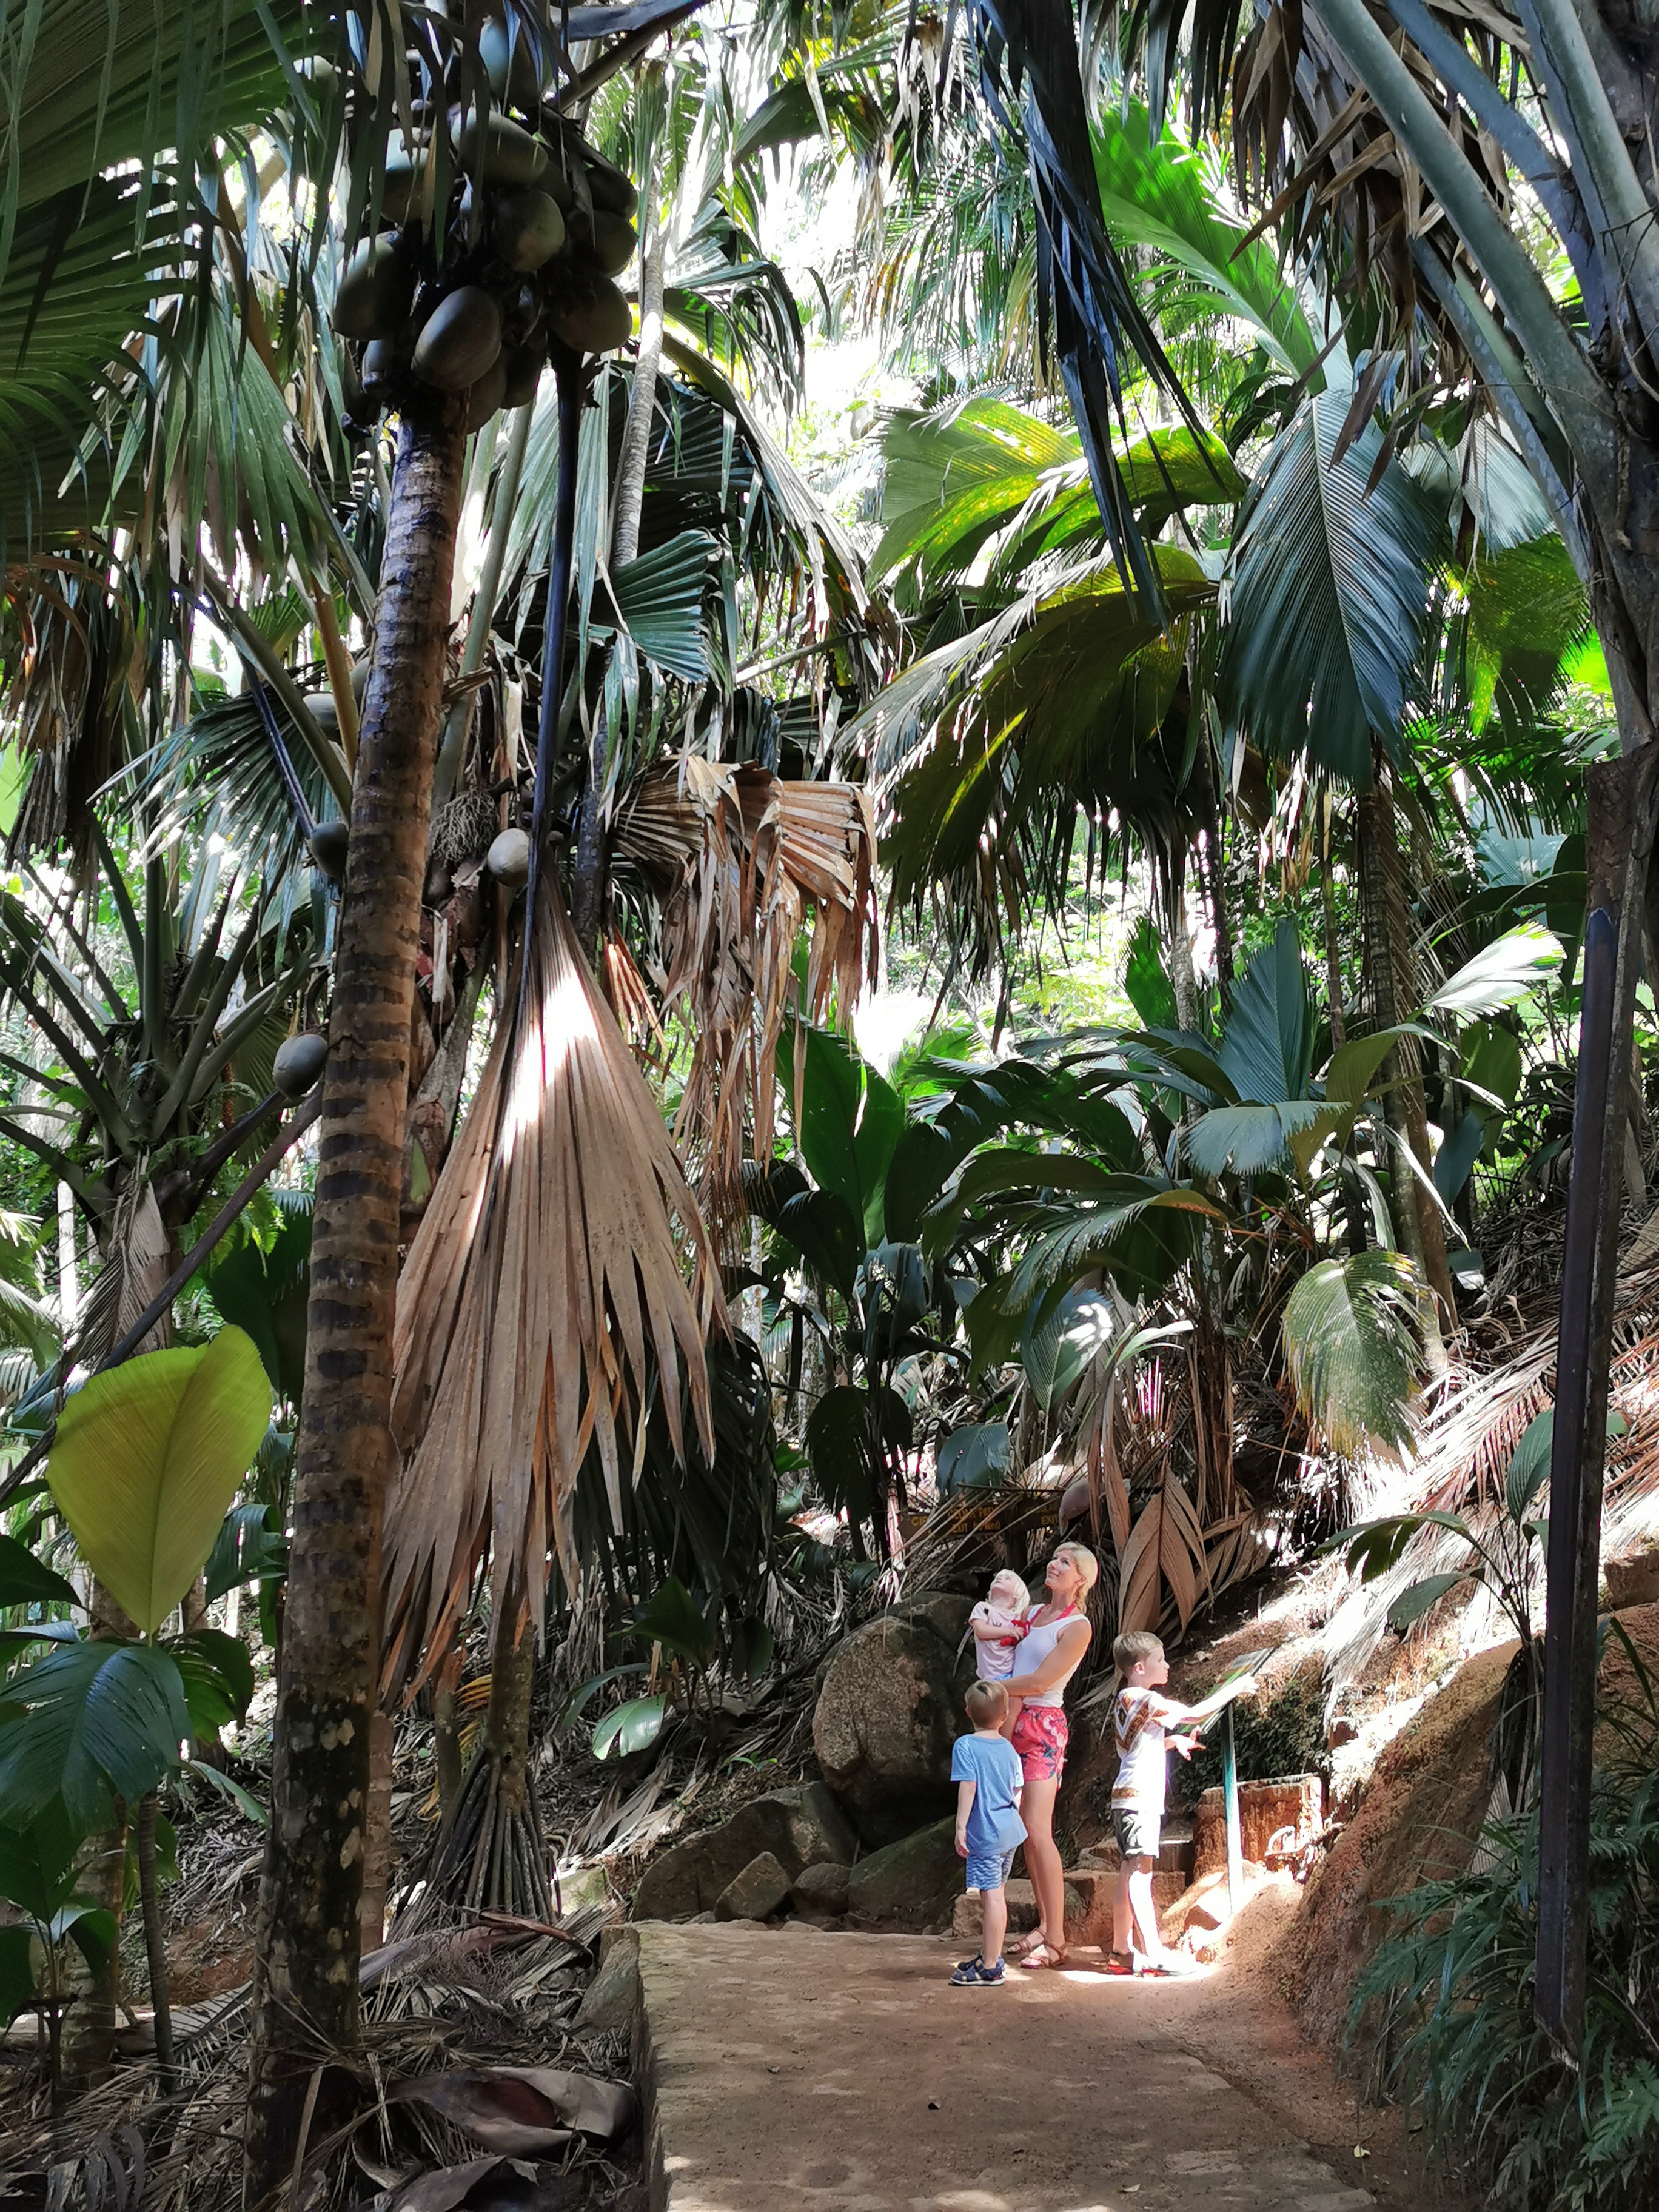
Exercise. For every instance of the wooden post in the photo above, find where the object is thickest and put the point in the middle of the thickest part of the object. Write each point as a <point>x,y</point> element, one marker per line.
<point>1229,1805</point>
<point>1621,795</point>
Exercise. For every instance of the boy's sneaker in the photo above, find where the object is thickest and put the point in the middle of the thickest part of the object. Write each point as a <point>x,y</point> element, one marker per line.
<point>974,1974</point>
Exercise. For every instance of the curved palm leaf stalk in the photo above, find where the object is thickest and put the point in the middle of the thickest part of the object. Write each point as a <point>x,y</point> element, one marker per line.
<point>305,1981</point>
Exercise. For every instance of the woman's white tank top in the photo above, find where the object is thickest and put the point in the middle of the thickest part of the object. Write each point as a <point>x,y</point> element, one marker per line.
<point>1036,1647</point>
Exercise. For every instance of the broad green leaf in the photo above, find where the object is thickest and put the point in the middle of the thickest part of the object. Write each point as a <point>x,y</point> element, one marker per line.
<point>838,1439</point>
<point>1411,1604</point>
<point>851,1120</point>
<point>573,1706</point>
<point>229,1786</point>
<point>630,1727</point>
<point>673,1618</point>
<point>1353,1337</point>
<point>1455,1161</point>
<point>1500,974</point>
<point>248,1547</point>
<point>1529,1465</point>
<point>265,1293</point>
<point>218,1679</point>
<point>1267,1049</point>
<point>922,1159</point>
<point>25,1580</point>
<point>1147,978</point>
<point>750,1649</point>
<point>92,1722</point>
<point>1329,594</point>
<point>147,1459</point>
<point>1491,1060</point>
<point>37,1860</point>
<point>91,1928</point>
<point>1056,1352</point>
<point>973,1457</point>
<point>1156,193</point>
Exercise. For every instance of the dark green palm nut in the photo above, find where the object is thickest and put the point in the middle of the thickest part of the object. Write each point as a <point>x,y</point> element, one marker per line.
<point>598,324</point>
<point>614,240</point>
<point>612,188</point>
<point>375,293</point>
<point>497,149</point>
<point>518,80</point>
<point>485,396</point>
<point>404,176</point>
<point>459,341</point>
<point>524,371</point>
<point>529,228</point>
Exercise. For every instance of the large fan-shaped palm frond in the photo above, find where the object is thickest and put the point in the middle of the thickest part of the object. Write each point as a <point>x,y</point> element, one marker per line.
<point>986,749</point>
<point>1328,596</point>
<point>1353,1341</point>
<point>1157,193</point>
<point>959,477</point>
<point>559,1198</point>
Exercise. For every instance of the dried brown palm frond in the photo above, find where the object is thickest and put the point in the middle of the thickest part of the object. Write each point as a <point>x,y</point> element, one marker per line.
<point>738,857</point>
<point>547,1258</point>
<point>1466,1446</point>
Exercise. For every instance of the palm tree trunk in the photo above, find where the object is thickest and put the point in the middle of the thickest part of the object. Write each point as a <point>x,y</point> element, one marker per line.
<point>1389,960</point>
<point>491,1856</point>
<point>377,1833</point>
<point>1333,943</point>
<point>87,2049</point>
<point>305,1990</point>
<point>587,879</point>
<point>155,1948</point>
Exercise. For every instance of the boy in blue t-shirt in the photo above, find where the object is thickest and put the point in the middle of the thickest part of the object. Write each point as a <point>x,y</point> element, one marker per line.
<point>986,1769</point>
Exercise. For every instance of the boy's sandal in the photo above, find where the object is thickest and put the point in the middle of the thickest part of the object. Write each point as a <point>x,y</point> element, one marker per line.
<point>973,1973</point>
<point>978,1959</point>
<point>1044,1955</point>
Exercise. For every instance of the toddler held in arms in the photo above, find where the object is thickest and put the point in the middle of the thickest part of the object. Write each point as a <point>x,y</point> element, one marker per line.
<point>998,1623</point>
<point>987,1771</point>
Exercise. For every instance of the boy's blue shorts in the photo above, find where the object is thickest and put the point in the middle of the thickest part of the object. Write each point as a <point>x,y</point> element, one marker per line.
<point>988,1869</point>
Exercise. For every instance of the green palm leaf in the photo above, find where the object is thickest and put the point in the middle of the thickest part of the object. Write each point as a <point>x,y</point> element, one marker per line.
<point>1353,1339</point>
<point>1327,599</point>
<point>957,477</point>
<point>1156,193</point>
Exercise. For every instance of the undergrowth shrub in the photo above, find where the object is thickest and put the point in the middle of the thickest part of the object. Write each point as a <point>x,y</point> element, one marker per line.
<point>1454,1986</point>
<point>1282,1734</point>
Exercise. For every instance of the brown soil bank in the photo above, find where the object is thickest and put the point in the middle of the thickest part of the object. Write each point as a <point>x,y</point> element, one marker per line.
<point>1416,1823</point>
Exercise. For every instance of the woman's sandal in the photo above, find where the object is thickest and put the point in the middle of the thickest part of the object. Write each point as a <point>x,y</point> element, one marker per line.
<point>1028,1943</point>
<point>1033,1960</point>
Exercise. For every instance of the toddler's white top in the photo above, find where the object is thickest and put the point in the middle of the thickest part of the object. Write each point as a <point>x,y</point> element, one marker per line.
<point>994,1661</point>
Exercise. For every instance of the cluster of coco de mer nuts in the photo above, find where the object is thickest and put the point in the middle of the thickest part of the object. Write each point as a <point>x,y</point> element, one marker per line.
<point>539,225</point>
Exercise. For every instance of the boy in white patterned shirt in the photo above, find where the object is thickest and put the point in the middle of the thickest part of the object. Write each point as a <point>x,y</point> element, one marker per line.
<point>1143,1725</point>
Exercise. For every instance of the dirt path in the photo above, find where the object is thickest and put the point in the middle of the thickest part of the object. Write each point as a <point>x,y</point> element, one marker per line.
<point>784,2068</point>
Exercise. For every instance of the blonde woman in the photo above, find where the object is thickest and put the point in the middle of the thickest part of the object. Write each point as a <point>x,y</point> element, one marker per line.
<point>1057,1636</point>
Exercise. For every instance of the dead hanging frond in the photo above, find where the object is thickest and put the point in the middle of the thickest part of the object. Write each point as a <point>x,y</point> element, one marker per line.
<point>1464,1448</point>
<point>546,1261</point>
<point>738,857</point>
